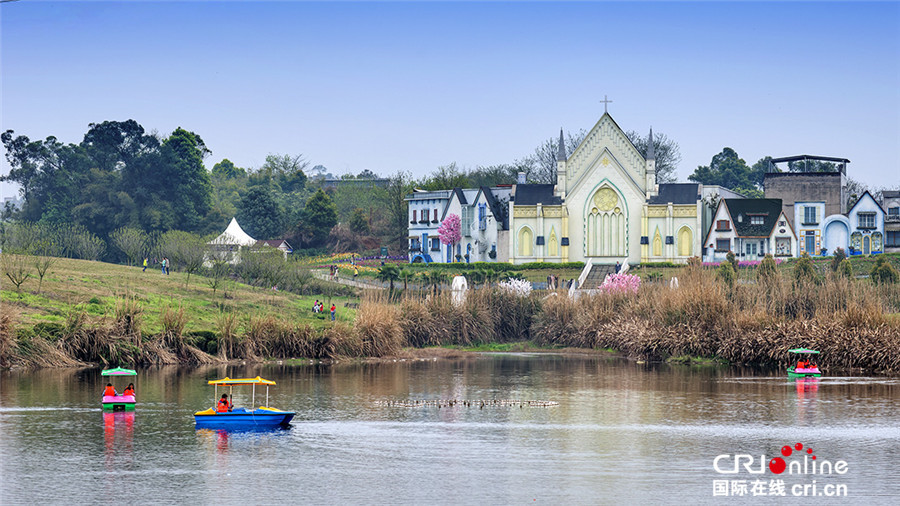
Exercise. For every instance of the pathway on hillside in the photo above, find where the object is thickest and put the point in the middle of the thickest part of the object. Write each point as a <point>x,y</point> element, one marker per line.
<point>356,283</point>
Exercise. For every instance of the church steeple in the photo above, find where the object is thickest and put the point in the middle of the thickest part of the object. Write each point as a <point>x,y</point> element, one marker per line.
<point>560,190</point>
<point>650,185</point>
<point>561,150</point>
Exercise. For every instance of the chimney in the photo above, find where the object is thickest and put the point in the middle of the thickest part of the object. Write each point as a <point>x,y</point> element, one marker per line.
<point>521,178</point>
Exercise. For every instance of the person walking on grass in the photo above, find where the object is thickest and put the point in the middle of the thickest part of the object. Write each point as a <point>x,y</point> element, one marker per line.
<point>145,264</point>
<point>166,265</point>
<point>162,265</point>
<point>333,309</point>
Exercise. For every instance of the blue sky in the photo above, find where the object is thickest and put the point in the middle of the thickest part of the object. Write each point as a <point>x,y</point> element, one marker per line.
<point>411,86</point>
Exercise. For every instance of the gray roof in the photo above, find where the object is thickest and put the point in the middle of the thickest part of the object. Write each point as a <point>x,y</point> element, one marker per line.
<point>651,150</point>
<point>561,149</point>
<point>533,194</point>
<point>742,209</point>
<point>890,194</point>
<point>677,193</point>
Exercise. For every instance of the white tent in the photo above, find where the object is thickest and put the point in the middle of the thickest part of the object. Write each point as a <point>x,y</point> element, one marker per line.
<point>234,235</point>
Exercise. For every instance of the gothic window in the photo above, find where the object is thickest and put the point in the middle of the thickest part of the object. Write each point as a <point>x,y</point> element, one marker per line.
<point>526,242</point>
<point>605,225</point>
<point>553,246</point>
<point>685,242</point>
<point>657,244</point>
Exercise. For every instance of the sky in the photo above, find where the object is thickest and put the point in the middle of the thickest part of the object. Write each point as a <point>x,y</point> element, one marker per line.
<point>415,85</point>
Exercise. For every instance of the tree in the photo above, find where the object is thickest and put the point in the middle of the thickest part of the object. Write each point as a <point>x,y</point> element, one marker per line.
<point>392,199</point>
<point>540,166</point>
<point>16,269</point>
<point>134,243</point>
<point>390,273</point>
<point>836,259</point>
<point>667,152</point>
<point>445,177</point>
<point>731,171</point>
<point>318,217</point>
<point>449,230</point>
<point>228,170</point>
<point>358,222</point>
<point>260,214</point>
<point>285,170</point>
<point>726,273</point>
<point>185,249</point>
<point>46,251</point>
<point>406,275</point>
<point>187,182</point>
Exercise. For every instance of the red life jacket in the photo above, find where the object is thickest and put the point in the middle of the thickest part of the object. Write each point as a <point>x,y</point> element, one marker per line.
<point>110,391</point>
<point>223,406</point>
<point>128,391</point>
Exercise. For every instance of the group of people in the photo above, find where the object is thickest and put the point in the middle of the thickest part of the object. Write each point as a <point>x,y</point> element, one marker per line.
<point>164,264</point>
<point>319,307</point>
<point>805,364</point>
<point>111,392</point>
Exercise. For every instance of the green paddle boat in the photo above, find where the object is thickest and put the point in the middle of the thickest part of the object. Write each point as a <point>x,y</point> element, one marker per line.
<point>806,365</point>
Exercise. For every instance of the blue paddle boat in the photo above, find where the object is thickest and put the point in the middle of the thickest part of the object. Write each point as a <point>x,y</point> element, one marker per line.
<point>224,415</point>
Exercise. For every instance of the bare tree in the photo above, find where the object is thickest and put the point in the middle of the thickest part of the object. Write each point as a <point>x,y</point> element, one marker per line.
<point>130,241</point>
<point>187,250</point>
<point>15,267</point>
<point>540,166</point>
<point>46,251</point>
<point>668,154</point>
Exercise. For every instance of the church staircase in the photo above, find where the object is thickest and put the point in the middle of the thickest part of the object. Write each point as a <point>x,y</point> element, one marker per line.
<point>596,276</point>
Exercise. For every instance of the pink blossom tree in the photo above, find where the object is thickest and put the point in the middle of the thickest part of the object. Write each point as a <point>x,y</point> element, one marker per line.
<point>450,232</point>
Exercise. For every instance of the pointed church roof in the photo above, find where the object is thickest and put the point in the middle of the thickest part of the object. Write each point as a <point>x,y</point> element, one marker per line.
<point>234,234</point>
<point>651,151</point>
<point>561,149</point>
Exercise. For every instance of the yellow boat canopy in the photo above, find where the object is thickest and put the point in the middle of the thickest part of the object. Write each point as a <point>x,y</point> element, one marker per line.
<point>240,381</point>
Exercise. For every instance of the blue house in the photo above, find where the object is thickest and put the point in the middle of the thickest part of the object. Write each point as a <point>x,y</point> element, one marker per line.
<point>866,220</point>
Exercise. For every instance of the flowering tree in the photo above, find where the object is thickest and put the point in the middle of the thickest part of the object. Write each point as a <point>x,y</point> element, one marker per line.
<point>449,231</point>
<point>621,283</point>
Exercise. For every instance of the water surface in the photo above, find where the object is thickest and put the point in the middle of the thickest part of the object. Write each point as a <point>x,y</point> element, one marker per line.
<point>623,432</point>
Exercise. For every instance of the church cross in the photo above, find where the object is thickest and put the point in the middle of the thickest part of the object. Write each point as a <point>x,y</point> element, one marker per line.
<point>605,101</point>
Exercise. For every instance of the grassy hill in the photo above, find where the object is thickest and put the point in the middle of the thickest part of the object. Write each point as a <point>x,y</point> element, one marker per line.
<point>96,288</point>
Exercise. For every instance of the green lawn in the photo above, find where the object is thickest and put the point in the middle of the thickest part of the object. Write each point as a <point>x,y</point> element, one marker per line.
<point>97,287</point>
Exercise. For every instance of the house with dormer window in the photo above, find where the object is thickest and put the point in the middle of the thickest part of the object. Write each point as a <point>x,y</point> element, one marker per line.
<point>866,220</point>
<point>750,228</point>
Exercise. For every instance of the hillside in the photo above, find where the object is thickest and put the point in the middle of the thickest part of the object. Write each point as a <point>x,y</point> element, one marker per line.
<point>97,287</point>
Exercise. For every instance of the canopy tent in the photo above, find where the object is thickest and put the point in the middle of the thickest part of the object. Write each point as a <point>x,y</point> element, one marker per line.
<point>234,235</point>
<point>118,371</point>
<point>240,381</point>
<point>803,350</point>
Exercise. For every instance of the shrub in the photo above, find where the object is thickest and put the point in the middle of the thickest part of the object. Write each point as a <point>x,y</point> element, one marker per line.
<point>805,271</point>
<point>883,273</point>
<point>621,283</point>
<point>836,259</point>
<point>845,270</point>
<point>732,260</point>
<point>725,273</point>
<point>767,272</point>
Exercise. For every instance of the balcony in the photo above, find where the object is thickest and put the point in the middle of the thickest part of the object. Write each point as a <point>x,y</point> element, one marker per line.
<point>810,223</point>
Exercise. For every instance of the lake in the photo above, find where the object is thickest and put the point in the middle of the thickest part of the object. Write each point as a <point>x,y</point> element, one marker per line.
<point>622,432</point>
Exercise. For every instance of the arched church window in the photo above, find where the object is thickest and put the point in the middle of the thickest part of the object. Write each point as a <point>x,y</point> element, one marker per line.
<point>553,244</point>
<point>657,244</point>
<point>526,242</point>
<point>605,230</point>
<point>685,242</point>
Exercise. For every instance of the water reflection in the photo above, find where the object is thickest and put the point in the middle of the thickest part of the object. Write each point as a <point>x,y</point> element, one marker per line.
<point>622,431</point>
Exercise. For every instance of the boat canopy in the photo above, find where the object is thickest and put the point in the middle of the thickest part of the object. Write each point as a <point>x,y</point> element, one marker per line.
<point>240,381</point>
<point>118,371</point>
<point>803,350</point>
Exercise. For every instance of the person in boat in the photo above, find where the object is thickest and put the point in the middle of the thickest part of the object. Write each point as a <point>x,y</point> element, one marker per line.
<point>109,391</point>
<point>129,390</point>
<point>801,364</point>
<point>224,405</point>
